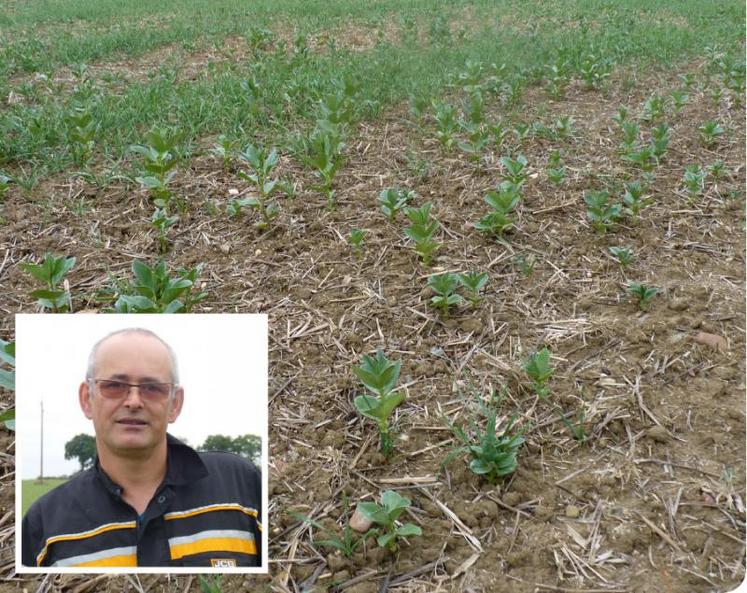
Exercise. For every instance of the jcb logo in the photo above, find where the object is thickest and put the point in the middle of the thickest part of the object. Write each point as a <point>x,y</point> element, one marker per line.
<point>223,563</point>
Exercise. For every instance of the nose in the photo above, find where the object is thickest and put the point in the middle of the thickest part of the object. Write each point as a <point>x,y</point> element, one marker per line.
<point>137,401</point>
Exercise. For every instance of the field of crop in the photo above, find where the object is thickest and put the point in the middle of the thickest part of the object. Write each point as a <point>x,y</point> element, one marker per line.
<point>516,228</point>
<point>32,489</point>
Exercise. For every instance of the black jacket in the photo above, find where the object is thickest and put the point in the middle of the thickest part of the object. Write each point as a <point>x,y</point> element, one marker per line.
<point>206,512</point>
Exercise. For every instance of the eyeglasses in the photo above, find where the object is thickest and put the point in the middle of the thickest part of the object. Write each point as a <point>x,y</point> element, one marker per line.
<point>119,389</point>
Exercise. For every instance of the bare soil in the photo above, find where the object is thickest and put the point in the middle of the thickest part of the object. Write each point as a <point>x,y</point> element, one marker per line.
<point>653,501</point>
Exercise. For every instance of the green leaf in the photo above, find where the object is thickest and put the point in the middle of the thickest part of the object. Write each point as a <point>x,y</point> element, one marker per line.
<point>47,294</point>
<point>8,380</point>
<point>480,467</point>
<point>385,539</point>
<point>408,529</point>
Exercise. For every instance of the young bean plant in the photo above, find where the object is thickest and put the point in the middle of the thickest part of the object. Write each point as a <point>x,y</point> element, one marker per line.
<point>515,169</point>
<point>537,367</point>
<point>386,515</point>
<point>225,149</point>
<point>51,273</point>
<point>556,172</point>
<point>159,159</point>
<point>624,255</point>
<point>601,213</point>
<point>474,282</point>
<point>379,375</point>
<point>155,292</point>
<point>635,199</point>
<point>694,181</point>
<point>162,222</point>
<point>503,201</point>
<point>355,238</point>
<point>643,294</point>
<point>710,131</point>
<point>445,285</point>
<point>394,199</point>
<point>421,231</point>
<point>493,454</point>
<point>8,379</point>
<point>262,164</point>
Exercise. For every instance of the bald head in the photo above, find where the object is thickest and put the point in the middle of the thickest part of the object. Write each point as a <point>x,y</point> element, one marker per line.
<point>137,331</point>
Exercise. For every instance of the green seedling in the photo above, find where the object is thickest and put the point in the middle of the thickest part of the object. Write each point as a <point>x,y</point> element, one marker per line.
<point>556,172</point>
<point>225,148</point>
<point>525,263</point>
<point>51,272</point>
<point>717,170</point>
<point>595,71</point>
<point>710,131</point>
<point>515,169</point>
<point>4,183</point>
<point>477,140</point>
<point>421,231</point>
<point>262,164</point>
<point>621,116</point>
<point>159,159</point>
<point>211,585</point>
<point>694,181</point>
<point>643,158</point>
<point>557,79</point>
<point>379,375</point>
<point>624,255</point>
<point>82,132</point>
<point>659,141</point>
<point>444,285</point>
<point>8,379</point>
<point>156,292</point>
<point>394,199</point>
<point>325,155</point>
<point>503,201</point>
<point>499,131</point>
<point>537,367</point>
<point>446,124</point>
<point>564,127</point>
<point>679,99</point>
<point>635,199</point>
<point>348,544</point>
<point>355,238</point>
<point>475,108</point>
<point>386,515</point>
<point>162,222</point>
<point>653,109</point>
<point>493,455</point>
<point>601,213</point>
<point>474,282</point>
<point>419,106</point>
<point>716,93</point>
<point>643,293</point>
<point>631,132</point>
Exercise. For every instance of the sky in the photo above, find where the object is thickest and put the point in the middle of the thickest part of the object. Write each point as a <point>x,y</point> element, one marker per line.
<point>222,363</point>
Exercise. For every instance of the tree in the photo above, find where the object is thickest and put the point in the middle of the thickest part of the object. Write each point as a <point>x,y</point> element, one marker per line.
<point>246,445</point>
<point>82,446</point>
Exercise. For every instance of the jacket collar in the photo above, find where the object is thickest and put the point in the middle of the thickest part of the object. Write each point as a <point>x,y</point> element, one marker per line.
<point>183,465</point>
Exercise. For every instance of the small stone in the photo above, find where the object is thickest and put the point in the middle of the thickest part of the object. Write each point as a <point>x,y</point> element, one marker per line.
<point>225,248</point>
<point>233,192</point>
<point>678,304</point>
<point>258,252</point>
<point>658,434</point>
<point>572,511</point>
<point>472,324</point>
<point>335,562</point>
<point>718,343</point>
<point>358,522</point>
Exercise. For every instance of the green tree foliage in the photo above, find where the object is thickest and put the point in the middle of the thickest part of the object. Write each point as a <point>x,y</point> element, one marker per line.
<point>83,447</point>
<point>246,445</point>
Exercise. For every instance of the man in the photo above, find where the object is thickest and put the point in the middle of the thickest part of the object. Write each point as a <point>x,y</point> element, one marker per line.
<point>149,500</point>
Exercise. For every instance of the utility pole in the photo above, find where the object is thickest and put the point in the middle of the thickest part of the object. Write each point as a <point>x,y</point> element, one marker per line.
<point>41,447</point>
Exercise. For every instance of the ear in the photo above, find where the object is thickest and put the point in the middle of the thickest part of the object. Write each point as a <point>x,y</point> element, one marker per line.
<point>84,398</point>
<point>176,404</point>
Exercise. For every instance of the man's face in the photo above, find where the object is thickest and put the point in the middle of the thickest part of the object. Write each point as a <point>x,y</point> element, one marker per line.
<point>132,425</point>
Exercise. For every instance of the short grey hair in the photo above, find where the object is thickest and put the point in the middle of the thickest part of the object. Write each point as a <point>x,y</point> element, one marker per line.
<point>91,370</point>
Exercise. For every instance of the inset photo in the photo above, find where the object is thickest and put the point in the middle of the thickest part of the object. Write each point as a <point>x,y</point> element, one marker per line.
<point>141,443</point>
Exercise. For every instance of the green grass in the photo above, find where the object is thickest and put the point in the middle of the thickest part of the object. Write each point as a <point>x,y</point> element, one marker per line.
<point>526,36</point>
<point>32,489</point>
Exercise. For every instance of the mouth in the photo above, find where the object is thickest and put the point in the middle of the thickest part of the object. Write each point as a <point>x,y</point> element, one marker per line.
<point>132,422</point>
